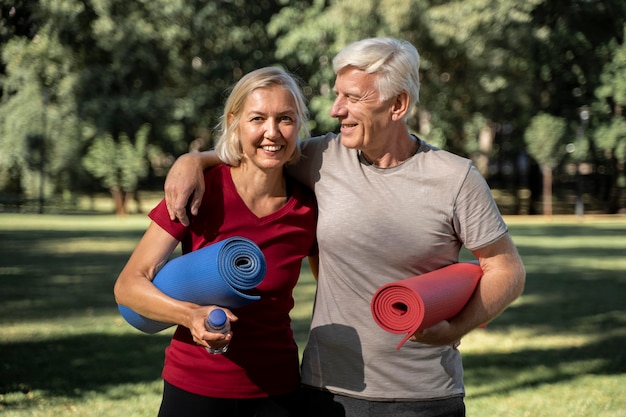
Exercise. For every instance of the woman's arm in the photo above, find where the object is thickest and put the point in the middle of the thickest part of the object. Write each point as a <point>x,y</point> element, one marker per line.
<point>184,184</point>
<point>134,289</point>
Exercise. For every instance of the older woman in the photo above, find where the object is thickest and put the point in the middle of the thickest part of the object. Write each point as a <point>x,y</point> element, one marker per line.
<point>248,196</point>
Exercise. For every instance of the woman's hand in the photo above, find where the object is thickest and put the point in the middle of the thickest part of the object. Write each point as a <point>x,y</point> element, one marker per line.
<point>203,337</point>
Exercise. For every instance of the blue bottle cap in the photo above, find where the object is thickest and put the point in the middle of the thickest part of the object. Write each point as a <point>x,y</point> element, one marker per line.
<point>217,318</point>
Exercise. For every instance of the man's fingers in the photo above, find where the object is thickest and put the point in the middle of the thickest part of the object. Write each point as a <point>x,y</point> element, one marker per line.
<point>170,208</point>
<point>195,203</point>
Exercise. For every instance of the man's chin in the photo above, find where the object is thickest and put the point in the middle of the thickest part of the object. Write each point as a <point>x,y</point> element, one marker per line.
<point>349,141</point>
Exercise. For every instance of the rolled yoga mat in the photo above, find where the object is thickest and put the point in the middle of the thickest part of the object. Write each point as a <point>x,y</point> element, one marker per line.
<point>216,274</point>
<point>415,303</point>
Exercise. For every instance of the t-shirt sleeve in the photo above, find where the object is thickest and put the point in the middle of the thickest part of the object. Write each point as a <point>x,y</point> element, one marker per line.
<point>477,218</point>
<point>307,169</point>
<point>160,216</point>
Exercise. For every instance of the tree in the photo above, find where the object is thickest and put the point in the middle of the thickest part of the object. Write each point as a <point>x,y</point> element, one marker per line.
<point>38,125</point>
<point>543,139</point>
<point>610,135</point>
<point>119,164</point>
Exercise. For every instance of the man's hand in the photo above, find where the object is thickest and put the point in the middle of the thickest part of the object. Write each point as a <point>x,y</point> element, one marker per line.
<point>438,334</point>
<point>184,185</point>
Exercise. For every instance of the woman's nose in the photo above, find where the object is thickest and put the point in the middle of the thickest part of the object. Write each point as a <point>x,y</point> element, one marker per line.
<point>271,128</point>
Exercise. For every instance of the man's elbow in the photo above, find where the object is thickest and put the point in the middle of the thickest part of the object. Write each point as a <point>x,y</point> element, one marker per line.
<point>519,280</point>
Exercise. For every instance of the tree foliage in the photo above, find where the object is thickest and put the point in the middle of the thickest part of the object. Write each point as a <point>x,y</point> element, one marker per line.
<point>544,139</point>
<point>81,79</point>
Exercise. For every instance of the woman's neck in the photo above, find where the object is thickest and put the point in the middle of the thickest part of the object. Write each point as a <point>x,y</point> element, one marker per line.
<point>264,192</point>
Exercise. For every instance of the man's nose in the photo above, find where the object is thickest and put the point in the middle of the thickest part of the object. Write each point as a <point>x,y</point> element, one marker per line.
<point>338,107</point>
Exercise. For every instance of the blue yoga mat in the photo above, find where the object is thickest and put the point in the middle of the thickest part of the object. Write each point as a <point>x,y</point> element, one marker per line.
<point>216,274</point>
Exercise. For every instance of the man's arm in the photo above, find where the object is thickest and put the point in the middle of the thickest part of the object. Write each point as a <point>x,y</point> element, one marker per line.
<point>502,282</point>
<point>184,184</point>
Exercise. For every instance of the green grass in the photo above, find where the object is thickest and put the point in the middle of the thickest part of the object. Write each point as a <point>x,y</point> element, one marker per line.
<point>64,350</point>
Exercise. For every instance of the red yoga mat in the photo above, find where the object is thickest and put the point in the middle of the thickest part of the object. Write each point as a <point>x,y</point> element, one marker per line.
<point>415,303</point>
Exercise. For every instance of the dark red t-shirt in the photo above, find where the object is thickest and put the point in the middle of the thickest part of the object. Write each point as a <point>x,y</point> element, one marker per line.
<point>262,359</point>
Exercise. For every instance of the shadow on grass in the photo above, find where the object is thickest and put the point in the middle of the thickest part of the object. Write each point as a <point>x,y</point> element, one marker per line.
<point>569,301</point>
<point>46,273</point>
<point>571,287</point>
<point>56,275</point>
<point>73,365</point>
<point>534,367</point>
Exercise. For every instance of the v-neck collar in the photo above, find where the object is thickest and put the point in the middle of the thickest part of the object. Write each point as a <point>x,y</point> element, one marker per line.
<point>285,208</point>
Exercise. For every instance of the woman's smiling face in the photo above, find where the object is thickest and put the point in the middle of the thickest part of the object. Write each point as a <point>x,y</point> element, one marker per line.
<point>268,127</point>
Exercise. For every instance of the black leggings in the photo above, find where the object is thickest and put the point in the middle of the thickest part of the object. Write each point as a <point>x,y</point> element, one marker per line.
<point>180,403</point>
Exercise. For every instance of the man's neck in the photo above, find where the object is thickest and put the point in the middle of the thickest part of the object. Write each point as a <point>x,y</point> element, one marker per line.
<point>399,150</point>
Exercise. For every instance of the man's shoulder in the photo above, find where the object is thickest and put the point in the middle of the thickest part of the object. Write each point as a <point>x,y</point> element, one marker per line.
<point>321,139</point>
<point>436,155</point>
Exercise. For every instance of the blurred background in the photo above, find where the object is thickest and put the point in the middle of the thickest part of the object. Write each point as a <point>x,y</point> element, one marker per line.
<point>98,97</point>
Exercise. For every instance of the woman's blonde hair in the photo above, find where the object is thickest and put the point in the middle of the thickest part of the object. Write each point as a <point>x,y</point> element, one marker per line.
<point>228,147</point>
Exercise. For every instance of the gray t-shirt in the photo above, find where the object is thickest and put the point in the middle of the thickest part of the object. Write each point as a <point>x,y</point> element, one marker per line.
<point>377,226</point>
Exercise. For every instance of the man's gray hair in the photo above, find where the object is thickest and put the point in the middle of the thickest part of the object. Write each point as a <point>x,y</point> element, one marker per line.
<point>395,62</point>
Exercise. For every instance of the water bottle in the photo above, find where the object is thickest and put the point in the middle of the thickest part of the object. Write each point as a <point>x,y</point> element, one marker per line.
<point>218,322</point>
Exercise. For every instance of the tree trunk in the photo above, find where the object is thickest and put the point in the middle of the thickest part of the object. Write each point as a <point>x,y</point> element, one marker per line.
<point>614,189</point>
<point>119,200</point>
<point>485,146</point>
<point>546,170</point>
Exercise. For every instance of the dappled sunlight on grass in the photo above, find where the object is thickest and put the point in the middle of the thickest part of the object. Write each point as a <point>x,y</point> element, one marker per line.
<point>516,340</point>
<point>583,396</point>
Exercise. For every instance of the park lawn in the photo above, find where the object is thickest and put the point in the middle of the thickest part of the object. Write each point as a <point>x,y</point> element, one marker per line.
<point>64,349</point>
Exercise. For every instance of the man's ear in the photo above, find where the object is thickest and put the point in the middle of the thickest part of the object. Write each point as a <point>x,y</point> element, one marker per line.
<point>400,106</point>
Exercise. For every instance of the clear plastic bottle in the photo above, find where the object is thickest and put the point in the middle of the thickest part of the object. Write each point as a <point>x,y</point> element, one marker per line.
<point>217,322</point>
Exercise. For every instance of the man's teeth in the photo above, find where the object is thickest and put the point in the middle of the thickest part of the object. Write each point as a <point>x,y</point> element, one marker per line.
<point>272,148</point>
